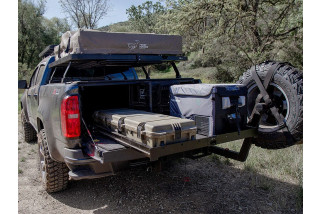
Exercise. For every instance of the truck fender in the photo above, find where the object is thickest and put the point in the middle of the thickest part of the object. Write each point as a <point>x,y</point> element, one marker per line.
<point>55,147</point>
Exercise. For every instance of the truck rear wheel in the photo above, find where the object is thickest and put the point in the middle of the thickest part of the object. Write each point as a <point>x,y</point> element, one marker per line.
<point>286,92</point>
<point>54,175</point>
<point>29,133</point>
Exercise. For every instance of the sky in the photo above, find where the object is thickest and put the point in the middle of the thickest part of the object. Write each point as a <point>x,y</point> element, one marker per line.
<point>117,12</point>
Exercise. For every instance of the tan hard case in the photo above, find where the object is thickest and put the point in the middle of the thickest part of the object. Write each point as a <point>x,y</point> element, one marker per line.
<point>148,128</point>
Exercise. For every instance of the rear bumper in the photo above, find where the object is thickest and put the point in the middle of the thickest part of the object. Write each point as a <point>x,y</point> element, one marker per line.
<point>84,167</point>
<point>77,157</point>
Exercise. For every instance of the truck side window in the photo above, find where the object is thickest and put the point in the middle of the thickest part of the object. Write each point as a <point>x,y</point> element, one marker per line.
<point>40,74</point>
<point>33,77</point>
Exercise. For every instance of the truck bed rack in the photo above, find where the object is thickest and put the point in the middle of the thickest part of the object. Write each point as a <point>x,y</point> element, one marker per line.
<point>93,60</point>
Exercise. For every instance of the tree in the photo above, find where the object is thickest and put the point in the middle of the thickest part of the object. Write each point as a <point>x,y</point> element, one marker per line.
<point>233,35</point>
<point>85,13</point>
<point>144,17</point>
<point>54,28</point>
<point>35,32</point>
<point>30,30</point>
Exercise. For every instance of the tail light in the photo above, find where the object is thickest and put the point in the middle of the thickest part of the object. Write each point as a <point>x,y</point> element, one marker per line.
<point>70,117</point>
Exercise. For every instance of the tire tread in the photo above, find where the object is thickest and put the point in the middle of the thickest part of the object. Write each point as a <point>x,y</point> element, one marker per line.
<point>29,133</point>
<point>56,172</point>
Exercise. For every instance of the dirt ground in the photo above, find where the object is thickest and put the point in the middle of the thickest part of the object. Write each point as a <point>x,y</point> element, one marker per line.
<point>206,185</point>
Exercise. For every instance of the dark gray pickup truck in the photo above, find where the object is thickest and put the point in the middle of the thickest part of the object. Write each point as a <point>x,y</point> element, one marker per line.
<point>62,95</point>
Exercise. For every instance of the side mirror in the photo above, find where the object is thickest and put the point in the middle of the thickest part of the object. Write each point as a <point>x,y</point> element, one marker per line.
<point>22,84</point>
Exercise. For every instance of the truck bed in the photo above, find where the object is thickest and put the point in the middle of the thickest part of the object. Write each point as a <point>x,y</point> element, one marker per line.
<point>147,94</point>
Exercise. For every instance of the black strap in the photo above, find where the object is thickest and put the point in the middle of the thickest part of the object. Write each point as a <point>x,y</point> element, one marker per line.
<point>59,51</point>
<point>270,74</point>
<point>258,99</point>
<point>263,93</point>
<point>68,46</point>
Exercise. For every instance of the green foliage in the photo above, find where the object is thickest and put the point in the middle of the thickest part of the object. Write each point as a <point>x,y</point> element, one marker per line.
<point>35,32</point>
<point>24,73</point>
<point>233,35</point>
<point>30,31</point>
<point>118,27</point>
<point>54,28</point>
<point>144,17</point>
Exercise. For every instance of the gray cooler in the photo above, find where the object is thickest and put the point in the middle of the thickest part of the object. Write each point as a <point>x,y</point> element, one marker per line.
<point>216,108</point>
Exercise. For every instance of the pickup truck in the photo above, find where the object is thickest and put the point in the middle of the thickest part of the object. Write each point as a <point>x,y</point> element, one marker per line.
<point>59,101</point>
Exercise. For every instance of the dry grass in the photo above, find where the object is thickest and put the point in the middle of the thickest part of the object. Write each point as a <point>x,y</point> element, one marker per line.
<point>285,165</point>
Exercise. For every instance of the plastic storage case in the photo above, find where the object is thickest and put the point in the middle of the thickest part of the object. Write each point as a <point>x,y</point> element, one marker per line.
<point>145,127</point>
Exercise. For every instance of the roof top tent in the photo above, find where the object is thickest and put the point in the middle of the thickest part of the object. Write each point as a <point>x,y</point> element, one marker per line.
<point>92,48</point>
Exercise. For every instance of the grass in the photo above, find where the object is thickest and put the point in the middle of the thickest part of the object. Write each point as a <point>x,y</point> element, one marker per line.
<point>20,171</point>
<point>23,159</point>
<point>285,165</point>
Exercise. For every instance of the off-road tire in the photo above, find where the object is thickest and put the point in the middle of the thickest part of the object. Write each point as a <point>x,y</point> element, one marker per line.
<point>55,173</point>
<point>29,133</point>
<point>290,80</point>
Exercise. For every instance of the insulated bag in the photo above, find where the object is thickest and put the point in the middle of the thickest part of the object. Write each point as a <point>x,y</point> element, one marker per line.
<point>216,108</point>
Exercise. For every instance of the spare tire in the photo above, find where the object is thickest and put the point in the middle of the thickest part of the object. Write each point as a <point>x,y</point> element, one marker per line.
<point>286,92</point>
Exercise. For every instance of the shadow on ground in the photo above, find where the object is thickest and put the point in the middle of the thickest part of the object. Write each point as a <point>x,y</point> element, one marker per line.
<point>199,186</point>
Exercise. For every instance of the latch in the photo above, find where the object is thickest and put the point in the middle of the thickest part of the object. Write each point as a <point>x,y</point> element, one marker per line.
<point>120,124</point>
<point>177,131</point>
<point>140,128</point>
